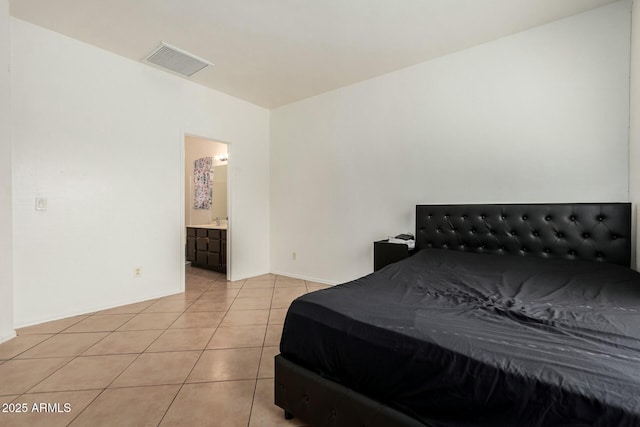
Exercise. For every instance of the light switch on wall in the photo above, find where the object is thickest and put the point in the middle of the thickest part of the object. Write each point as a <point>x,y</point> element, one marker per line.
<point>41,204</point>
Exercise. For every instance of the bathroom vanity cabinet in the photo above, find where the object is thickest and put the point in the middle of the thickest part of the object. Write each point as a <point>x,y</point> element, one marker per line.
<point>207,247</point>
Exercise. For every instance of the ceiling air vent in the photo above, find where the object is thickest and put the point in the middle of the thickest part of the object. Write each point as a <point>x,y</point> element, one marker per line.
<point>175,60</point>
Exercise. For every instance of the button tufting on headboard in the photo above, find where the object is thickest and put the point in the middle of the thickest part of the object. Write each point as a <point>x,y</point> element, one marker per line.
<point>591,231</point>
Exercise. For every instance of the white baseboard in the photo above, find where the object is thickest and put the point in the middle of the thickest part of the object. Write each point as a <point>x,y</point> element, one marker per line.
<point>310,279</point>
<point>10,335</point>
<point>93,309</point>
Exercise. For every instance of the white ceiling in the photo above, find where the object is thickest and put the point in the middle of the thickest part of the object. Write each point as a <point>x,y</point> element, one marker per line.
<point>273,52</point>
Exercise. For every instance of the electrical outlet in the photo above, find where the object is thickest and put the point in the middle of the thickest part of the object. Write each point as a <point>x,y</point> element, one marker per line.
<point>41,204</point>
<point>293,256</point>
<point>137,272</point>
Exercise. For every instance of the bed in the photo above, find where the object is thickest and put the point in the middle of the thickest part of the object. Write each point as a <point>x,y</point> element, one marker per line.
<point>507,315</point>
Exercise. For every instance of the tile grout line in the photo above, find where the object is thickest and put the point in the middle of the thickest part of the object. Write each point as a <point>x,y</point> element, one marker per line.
<point>253,398</point>
<point>255,387</point>
<point>48,376</point>
<point>134,360</point>
<point>127,367</point>
<point>86,406</point>
<point>117,376</point>
<point>61,366</point>
<point>194,365</point>
<point>27,349</point>
<point>188,303</point>
<point>151,343</point>
<point>225,315</point>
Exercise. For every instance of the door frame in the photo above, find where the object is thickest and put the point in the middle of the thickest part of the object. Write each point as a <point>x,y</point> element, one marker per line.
<point>183,233</point>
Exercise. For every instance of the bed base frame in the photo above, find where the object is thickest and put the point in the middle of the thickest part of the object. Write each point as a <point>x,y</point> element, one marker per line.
<point>592,231</point>
<point>321,402</point>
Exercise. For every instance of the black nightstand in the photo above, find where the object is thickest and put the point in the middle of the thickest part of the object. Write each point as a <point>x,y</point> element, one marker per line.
<point>385,253</point>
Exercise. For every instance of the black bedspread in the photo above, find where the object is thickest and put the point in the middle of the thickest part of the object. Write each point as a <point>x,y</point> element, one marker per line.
<point>462,339</point>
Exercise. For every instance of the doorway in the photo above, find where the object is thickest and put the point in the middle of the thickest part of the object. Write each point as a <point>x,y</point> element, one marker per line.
<point>207,224</point>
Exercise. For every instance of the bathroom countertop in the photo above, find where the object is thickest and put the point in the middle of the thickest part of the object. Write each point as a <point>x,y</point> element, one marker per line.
<point>210,226</point>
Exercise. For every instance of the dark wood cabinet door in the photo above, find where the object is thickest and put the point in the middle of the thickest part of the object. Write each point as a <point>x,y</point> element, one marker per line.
<point>214,245</point>
<point>202,243</point>
<point>213,261</point>
<point>201,258</point>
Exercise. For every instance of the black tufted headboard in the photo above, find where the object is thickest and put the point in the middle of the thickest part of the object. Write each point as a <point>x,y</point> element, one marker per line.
<point>588,231</point>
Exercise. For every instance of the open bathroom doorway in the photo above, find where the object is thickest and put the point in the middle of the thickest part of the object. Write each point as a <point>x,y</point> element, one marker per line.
<point>207,222</point>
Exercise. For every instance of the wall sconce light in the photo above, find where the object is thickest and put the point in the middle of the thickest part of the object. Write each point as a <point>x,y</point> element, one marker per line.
<point>222,157</point>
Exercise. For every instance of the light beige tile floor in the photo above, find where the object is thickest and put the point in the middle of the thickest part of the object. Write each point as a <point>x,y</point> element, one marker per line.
<point>200,358</point>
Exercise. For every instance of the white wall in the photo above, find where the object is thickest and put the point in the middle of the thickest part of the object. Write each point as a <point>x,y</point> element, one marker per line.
<point>540,116</point>
<point>6,251</point>
<point>101,138</point>
<point>197,148</point>
<point>634,124</point>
